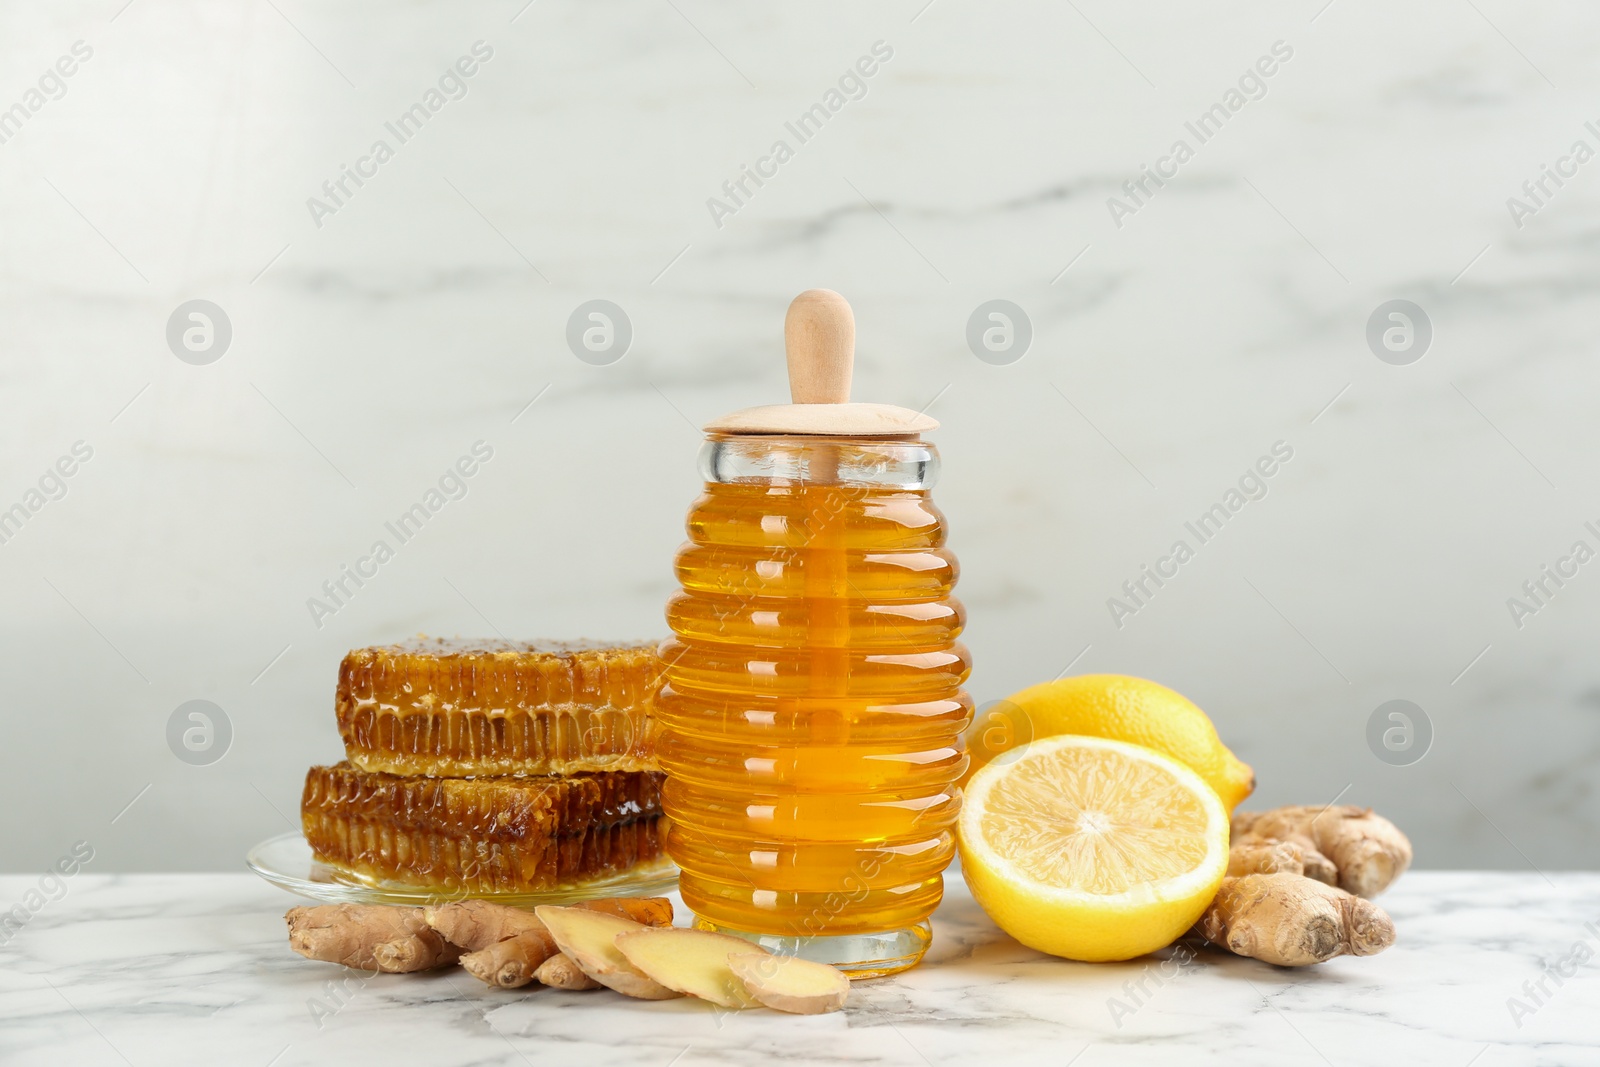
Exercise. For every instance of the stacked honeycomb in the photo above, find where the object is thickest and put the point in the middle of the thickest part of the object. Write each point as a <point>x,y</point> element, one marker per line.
<point>483,766</point>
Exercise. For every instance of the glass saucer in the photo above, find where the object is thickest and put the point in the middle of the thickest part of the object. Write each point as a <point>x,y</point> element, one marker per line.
<point>286,861</point>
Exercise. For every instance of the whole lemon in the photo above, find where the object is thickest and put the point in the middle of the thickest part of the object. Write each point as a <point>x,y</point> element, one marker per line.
<point>1118,707</point>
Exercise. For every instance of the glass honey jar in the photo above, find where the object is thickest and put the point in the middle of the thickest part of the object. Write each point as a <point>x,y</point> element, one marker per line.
<point>812,715</point>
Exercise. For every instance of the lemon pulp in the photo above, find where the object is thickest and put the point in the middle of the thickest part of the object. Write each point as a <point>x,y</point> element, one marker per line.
<point>1092,849</point>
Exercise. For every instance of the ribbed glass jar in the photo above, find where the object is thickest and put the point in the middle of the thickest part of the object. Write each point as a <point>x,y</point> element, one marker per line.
<point>813,711</point>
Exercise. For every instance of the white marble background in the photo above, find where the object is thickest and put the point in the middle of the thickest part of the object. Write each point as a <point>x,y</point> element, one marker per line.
<point>1227,314</point>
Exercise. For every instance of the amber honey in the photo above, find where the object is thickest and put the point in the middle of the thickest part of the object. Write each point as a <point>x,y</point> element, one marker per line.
<point>812,715</point>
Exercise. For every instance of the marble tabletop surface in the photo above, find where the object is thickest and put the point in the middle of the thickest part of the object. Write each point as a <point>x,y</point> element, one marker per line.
<point>1490,969</point>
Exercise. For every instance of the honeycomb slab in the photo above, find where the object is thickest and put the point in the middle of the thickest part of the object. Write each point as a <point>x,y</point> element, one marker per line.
<point>468,707</point>
<point>482,835</point>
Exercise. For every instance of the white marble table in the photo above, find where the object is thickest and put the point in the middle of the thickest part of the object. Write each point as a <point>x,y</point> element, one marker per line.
<point>181,969</point>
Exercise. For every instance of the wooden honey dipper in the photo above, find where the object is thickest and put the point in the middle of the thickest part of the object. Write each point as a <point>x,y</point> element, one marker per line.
<point>819,334</point>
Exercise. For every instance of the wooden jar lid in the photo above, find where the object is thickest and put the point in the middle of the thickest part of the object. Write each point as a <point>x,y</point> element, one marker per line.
<point>819,335</point>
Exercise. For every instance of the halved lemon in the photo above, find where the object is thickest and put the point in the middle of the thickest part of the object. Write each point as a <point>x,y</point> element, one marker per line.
<point>1092,849</point>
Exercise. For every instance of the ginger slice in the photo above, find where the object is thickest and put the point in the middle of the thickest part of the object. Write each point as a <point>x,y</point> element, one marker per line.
<point>589,938</point>
<point>560,972</point>
<point>690,961</point>
<point>788,983</point>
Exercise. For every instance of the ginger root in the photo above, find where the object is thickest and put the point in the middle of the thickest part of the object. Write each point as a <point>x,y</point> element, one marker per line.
<point>1350,847</point>
<point>560,972</point>
<point>1292,920</point>
<point>419,952</point>
<point>510,964</point>
<point>476,924</point>
<point>646,911</point>
<point>506,946</point>
<point>500,944</point>
<point>1296,883</point>
<point>590,939</point>
<point>369,937</point>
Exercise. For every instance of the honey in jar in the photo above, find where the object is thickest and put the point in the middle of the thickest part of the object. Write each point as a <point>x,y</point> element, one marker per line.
<point>812,715</point>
